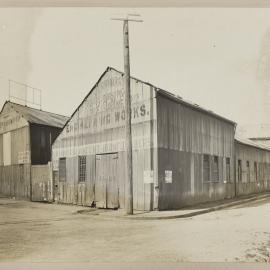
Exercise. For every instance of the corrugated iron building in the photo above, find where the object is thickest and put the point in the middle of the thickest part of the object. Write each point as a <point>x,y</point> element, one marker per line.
<point>26,135</point>
<point>182,154</point>
<point>252,166</point>
<point>196,147</point>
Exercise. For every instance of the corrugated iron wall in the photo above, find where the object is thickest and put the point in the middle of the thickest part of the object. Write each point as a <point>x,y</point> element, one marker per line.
<point>20,148</point>
<point>97,127</point>
<point>41,177</point>
<point>184,136</point>
<point>252,184</point>
<point>41,139</point>
<point>15,178</point>
<point>1,150</point>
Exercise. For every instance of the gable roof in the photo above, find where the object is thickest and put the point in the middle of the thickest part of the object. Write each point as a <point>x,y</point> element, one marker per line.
<point>35,116</point>
<point>179,99</point>
<point>160,91</point>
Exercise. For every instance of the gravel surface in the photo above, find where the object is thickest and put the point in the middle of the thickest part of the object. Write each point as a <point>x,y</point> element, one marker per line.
<point>37,232</point>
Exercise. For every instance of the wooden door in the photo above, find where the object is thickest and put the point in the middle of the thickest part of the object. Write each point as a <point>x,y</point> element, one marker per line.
<point>106,185</point>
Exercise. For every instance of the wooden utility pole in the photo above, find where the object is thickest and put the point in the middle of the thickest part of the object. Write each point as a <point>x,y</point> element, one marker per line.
<point>129,182</point>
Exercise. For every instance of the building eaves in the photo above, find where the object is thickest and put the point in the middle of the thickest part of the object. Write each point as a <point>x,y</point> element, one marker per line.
<point>180,99</point>
<point>249,142</point>
<point>36,116</point>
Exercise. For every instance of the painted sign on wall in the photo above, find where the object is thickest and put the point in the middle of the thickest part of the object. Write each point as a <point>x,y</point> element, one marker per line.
<point>168,176</point>
<point>105,107</point>
<point>11,121</point>
<point>148,176</point>
<point>98,126</point>
<point>24,157</point>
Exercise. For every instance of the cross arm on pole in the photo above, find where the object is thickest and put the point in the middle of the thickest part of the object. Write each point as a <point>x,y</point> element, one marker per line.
<point>124,19</point>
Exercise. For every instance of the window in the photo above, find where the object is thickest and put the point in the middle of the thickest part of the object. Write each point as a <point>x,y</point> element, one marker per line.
<point>228,170</point>
<point>82,168</point>
<point>62,169</point>
<point>206,168</point>
<point>239,170</point>
<point>255,171</point>
<point>248,172</point>
<point>215,177</point>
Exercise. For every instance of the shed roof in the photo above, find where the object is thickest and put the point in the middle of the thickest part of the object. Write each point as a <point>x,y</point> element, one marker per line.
<point>35,116</point>
<point>249,142</point>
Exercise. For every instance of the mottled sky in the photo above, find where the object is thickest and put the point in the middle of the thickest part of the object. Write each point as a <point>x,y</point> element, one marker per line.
<point>216,57</point>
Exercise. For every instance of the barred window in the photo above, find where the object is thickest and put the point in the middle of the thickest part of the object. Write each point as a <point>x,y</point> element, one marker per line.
<point>82,168</point>
<point>228,170</point>
<point>206,168</point>
<point>215,177</point>
<point>62,169</point>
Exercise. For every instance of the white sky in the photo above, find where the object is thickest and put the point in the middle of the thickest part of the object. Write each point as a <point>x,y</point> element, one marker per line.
<point>208,56</point>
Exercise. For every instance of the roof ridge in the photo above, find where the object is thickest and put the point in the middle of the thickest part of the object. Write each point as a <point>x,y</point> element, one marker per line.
<point>177,97</point>
<point>248,141</point>
<point>40,110</point>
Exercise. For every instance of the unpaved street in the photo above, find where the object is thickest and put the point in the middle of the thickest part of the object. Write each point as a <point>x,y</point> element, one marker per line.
<point>36,232</point>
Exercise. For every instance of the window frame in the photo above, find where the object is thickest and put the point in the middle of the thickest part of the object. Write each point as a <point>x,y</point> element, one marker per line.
<point>215,169</point>
<point>62,179</point>
<point>82,165</point>
<point>206,169</point>
<point>228,168</point>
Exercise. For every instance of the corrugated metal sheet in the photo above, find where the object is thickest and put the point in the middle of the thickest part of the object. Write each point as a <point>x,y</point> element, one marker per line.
<point>7,148</point>
<point>254,173</point>
<point>191,104</point>
<point>184,136</point>
<point>36,116</point>
<point>249,142</point>
<point>184,129</point>
<point>41,176</point>
<point>1,150</point>
<point>20,148</point>
<point>15,181</point>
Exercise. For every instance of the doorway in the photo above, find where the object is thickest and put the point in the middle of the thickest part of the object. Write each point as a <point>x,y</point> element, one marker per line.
<point>106,185</point>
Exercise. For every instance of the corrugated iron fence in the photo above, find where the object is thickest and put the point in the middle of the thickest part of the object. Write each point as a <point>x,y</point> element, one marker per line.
<point>27,182</point>
<point>15,181</point>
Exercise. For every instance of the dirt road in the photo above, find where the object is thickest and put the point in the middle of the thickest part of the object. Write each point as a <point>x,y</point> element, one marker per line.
<point>36,232</point>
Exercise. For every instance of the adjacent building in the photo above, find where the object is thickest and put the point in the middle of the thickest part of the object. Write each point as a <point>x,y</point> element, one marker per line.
<point>252,174</point>
<point>26,136</point>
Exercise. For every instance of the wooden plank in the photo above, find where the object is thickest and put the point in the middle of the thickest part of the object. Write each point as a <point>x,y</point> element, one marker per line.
<point>100,186</point>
